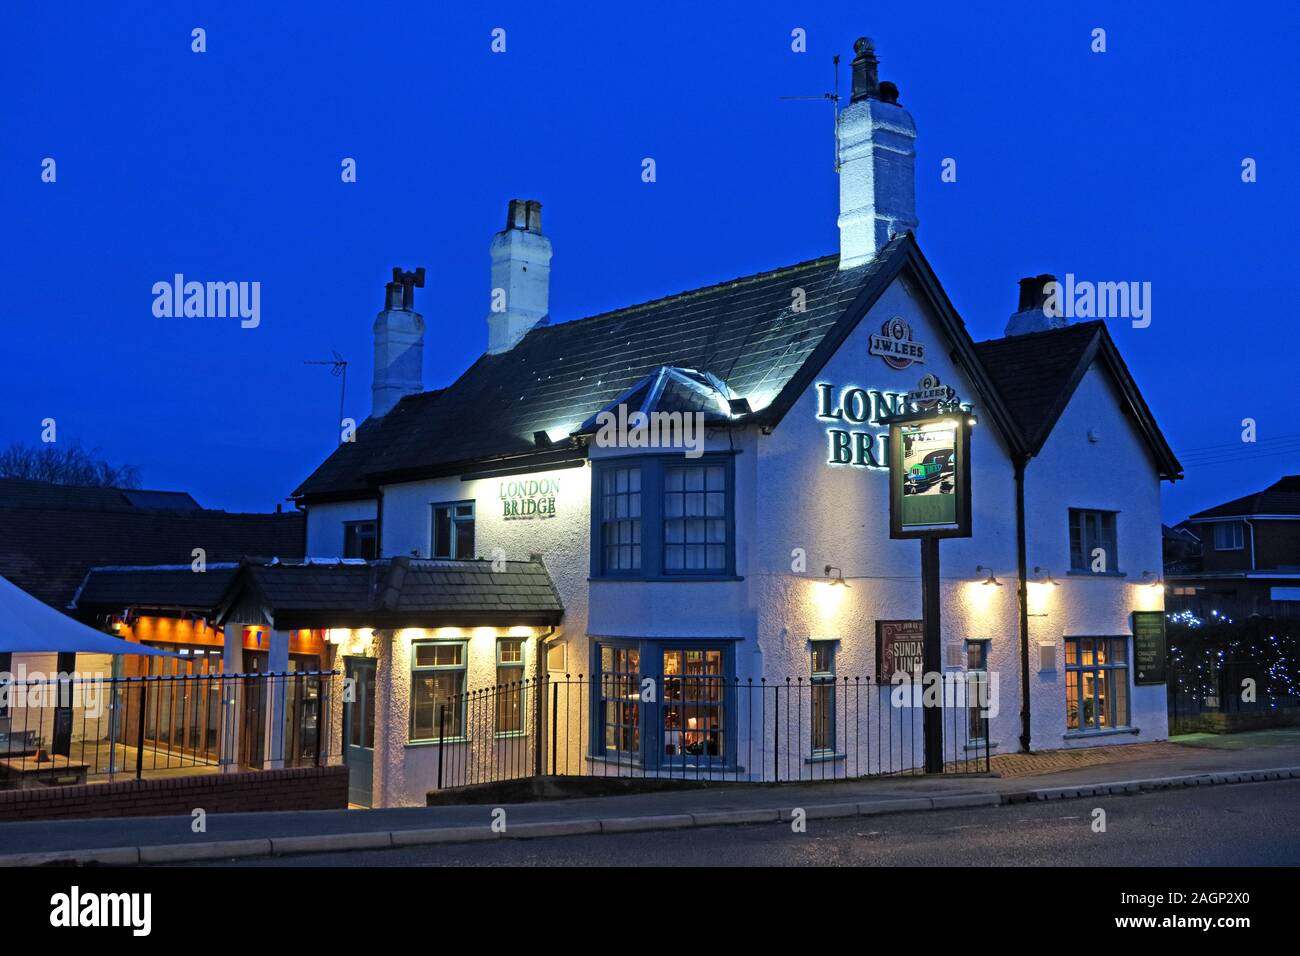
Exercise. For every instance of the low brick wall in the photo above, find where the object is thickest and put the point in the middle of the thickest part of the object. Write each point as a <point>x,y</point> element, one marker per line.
<point>304,788</point>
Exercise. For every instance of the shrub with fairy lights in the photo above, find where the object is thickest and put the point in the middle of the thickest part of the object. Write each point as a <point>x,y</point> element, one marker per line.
<point>1209,657</point>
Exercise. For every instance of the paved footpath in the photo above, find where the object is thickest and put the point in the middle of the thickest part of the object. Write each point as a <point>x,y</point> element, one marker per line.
<point>1191,761</point>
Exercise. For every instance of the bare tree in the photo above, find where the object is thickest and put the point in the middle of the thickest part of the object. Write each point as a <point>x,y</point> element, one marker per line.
<point>65,465</point>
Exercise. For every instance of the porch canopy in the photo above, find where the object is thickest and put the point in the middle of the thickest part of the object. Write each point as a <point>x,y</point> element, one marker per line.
<point>28,625</point>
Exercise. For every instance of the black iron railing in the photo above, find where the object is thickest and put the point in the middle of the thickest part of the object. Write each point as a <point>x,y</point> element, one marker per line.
<point>703,727</point>
<point>85,729</point>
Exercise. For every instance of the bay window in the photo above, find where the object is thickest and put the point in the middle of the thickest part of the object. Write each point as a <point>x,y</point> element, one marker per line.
<point>663,517</point>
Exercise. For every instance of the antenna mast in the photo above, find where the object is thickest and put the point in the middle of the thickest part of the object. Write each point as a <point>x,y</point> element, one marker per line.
<point>339,369</point>
<point>834,98</point>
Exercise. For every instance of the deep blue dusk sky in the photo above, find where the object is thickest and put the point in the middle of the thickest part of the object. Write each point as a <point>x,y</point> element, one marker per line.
<point>225,166</point>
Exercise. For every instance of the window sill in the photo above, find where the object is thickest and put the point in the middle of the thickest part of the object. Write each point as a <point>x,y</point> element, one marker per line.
<point>825,758</point>
<point>1096,574</point>
<point>1108,732</point>
<point>434,743</point>
<point>978,746</point>
<point>510,734</point>
<point>670,578</point>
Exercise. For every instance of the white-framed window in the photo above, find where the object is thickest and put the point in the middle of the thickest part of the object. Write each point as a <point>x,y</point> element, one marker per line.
<point>510,686</point>
<point>438,689</point>
<point>453,530</point>
<point>1092,532</point>
<point>1229,535</point>
<point>1096,683</point>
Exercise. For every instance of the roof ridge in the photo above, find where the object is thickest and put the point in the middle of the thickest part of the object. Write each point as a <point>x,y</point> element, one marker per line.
<point>1026,335</point>
<point>691,293</point>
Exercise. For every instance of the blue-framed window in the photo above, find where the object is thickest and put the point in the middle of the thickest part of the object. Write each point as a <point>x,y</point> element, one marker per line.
<point>453,530</point>
<point>438,689</point>
<point>1096,683</point>
<point>977,667</point>
<point>359,540</point>
<point>1091,531</point>
<point>822,705</point>
<point>664,517</point>
<point>510,686</point>
<point>618,689</point>
<point>688,720</point>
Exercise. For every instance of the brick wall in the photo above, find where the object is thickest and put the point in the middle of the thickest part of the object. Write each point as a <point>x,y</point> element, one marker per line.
<point>304,788</point>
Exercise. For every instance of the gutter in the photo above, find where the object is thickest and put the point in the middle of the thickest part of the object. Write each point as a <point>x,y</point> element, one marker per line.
<point>1022,593</point>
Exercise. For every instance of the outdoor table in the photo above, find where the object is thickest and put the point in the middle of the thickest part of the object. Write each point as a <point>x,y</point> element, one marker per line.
<point>26,773</point>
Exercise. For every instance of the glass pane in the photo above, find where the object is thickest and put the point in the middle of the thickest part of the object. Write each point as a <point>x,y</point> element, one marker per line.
<point>441,533</point>
<point>1072,700</point>
<point>465,539</point>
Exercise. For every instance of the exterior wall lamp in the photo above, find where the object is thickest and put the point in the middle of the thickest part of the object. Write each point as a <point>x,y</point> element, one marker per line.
<point>1151,578</point>
<point>990,579</point>
<point>836,579</point>
<point>1043,576</point>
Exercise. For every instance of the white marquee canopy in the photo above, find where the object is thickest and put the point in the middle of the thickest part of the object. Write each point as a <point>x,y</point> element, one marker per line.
<point>28,625</point>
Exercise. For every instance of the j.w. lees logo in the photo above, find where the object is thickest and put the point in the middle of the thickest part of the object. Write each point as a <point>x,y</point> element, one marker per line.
<point>529,498</point>
<point>894,344</point>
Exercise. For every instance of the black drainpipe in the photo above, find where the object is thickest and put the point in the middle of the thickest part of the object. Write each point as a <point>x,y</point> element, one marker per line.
<point>1022,591</point>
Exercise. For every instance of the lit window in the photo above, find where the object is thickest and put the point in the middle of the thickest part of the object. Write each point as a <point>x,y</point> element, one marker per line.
<point>693,692</point>
<point>510,686</point>
<point>453,530</point>
<point>1096,683</point>
<point>437,690</point>
<point>620,700</point>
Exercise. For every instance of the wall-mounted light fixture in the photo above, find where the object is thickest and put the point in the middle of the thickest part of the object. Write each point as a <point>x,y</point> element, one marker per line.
<point>990,579</point>
<point>1151,578</point>
<point>1043,576</point>
<point>837,578</point>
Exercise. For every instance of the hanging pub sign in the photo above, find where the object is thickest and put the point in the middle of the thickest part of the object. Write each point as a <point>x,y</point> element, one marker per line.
<point>1149,647</point>
<point>929,468</point>
<point>899,648</point>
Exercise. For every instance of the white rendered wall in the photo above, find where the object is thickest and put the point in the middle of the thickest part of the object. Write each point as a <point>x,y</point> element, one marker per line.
<point>1115,473</point>
<point>325,525</point>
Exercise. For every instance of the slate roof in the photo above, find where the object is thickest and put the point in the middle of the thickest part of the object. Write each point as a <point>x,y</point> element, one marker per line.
<point>51,535</point>
<point>744,331</point>
<point>1036,375</point>
<point>1280,498</point>
<point>400,592</point>
<point>176,587</point>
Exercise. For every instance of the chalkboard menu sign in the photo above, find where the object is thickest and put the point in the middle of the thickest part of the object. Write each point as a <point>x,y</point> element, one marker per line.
<point>1148,647</point>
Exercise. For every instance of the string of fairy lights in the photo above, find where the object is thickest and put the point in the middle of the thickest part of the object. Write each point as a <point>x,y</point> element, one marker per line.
<point>1209,658</point>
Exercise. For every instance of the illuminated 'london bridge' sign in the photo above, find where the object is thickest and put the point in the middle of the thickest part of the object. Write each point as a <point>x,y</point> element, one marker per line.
<point>866,406</point>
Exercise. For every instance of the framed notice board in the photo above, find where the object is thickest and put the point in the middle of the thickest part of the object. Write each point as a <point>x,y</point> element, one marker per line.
<point>1149,647</point>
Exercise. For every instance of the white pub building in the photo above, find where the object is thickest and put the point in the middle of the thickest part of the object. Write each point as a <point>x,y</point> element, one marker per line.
<point>495,537</point>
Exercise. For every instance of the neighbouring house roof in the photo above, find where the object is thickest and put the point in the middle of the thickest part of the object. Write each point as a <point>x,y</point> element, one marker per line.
<point>52,535</point>
<point>747,333</point>
<point>1281,499</point>
<point>1038,372</point>
<point>396,592</point>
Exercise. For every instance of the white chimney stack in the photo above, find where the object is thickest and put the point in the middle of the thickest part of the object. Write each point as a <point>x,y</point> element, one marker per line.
<point>877,157</point>
<point>399,344</point>
<point>1033,313</point>
<point>521,276</point>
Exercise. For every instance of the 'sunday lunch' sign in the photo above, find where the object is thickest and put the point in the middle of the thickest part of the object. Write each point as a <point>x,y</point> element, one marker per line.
<point>899,648</point>
<point>528,497</point>
<point>1148,647</point>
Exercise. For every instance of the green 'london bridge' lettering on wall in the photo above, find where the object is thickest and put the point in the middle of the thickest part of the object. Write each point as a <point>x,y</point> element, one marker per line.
<point>858,406</point>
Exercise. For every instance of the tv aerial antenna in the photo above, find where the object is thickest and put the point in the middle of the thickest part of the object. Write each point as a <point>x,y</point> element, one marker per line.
<point>834,99</point>
<point>338,367</point>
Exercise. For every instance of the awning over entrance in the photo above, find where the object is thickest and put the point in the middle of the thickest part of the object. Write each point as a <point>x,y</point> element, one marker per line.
<point>28,625</point>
